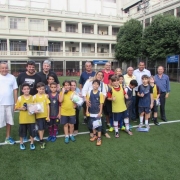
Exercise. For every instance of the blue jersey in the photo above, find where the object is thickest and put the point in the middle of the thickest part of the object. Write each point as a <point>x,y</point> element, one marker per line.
<point>85,76</point>
<point>95,102</point>
<point>54,105</point>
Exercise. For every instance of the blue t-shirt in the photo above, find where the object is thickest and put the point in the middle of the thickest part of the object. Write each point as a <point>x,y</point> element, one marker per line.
<point>85,76</point>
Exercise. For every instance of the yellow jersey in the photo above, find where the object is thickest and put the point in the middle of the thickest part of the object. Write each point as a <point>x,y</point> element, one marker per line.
<point>24,116</point>
<point>67,106</point>
<point>45,102</point>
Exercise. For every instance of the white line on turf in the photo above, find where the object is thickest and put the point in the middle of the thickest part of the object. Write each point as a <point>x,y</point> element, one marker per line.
<point>81,133</point>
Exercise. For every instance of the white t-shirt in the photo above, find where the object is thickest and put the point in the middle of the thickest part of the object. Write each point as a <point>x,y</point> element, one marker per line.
<point>7,85</point>
<point>139,75</point>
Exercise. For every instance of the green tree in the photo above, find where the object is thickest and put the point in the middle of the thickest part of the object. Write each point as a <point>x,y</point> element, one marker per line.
<point>129,41</point>
<point>162,37</point>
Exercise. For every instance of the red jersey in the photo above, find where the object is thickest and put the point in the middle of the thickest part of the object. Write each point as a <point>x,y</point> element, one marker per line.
<point>106,76</point>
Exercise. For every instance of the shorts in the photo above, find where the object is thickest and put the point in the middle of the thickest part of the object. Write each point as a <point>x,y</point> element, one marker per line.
<point>155,108</point>
<point>146,110</point>
<point>6,115</point>
<point>68,119</point>
<point>53,122</point>
<point>41,123</point>
<point>23,128</point>
<point>120,115</point>
<point>84,106</point>
<point>98,129</point>
<point>107,109</point>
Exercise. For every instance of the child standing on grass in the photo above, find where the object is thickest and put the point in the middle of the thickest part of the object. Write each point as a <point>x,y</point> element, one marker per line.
<point>54,112</point>
<point>26,121</point>
<point>50,79</point>
<point>119,110</point>
<point>68,118</point>
<point>41,117</point>
<point>156,94</point>
<point>95,111</point>
<point>145,93</point>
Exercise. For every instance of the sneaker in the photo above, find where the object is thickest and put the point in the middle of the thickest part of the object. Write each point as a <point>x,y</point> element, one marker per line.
<point>147,126</point>
<point>36,138</point>
<point>49,138</point>
<point>75,133</point>
<point>123,128</point>
<point>85,121</point>
<point>57,132</point>
<point>117,135</point>
<point>10,140</point>
<point>32,147</point>
<point>111,129</point>
<point>156,123</point>
<point>140,125</point>
<point>53,139</point>
<point>93,138</point>
<point>98,143</point>
<point>25,139</point>
<point>42,145</point>
<point>66,140</point>
<point>72,138</point>
<point>22,147</point>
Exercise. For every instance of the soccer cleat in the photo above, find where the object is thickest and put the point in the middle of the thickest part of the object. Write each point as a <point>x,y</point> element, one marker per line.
<point>99,142</point>
<point>72,138</point>
<point>85,121</point>
<point>32,147</point>
<point>93,138</point>
<point>147,126</point>
<point>123,128</point>
<point>66,140</point>
<point>156,123</point>
<point>117,135</point>
<point>53,139</point>
<point>36,138</point>
<point>140,125</point>
<point>10,140</point>
<point>57,132</point>
<point>22,147</point>
<point>25,139</point>
<point>42,145</point>
<point>111,129</point>
<point>49,138</point>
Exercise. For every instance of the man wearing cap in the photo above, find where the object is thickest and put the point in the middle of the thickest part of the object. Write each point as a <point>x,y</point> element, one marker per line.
<point>46,71</point>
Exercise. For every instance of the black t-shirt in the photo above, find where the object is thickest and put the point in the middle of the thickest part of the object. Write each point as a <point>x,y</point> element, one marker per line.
<point>31,80</point>
<point>44,77</point>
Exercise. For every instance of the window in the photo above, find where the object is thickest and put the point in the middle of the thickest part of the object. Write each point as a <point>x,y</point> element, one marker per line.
<point>3,45</point>
<point>36,25</point>
<point>115,31</point>
<point>54,46</point>
<point>178,12</point>
<point>17,45</point>
<point>170,12</point>
<point>71,28</point>
<point>2,22</point>
<point>87,29</point>
<point>17,23</point>
<point>111,1</point>
<point>147,22</point>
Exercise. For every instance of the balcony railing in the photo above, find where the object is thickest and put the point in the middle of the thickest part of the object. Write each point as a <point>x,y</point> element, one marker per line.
<point>103,54</point>
<point>55,53</point>
<point>18,53</point>
<point>88,54</point>
<point>72,53</point>
<point>38,53</point>
<point>2,53</point>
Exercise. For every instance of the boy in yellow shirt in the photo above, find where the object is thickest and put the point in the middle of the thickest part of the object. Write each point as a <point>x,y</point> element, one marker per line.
<point>26,121</point>
<point>41,117</point>
<point>68,118</point>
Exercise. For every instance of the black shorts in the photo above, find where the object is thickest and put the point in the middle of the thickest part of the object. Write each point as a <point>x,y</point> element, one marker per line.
<point>84,106</point>
<point>98,129</point>
<point>68,119</point>
<point>119,116</point>
<point>53,122</point>
<point>107,108</point>
<point>146,110</point>
<point>155,107</point>
<point>41,123</point>
<point>23,128</point>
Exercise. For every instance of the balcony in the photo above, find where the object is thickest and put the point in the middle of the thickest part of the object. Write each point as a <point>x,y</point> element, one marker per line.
<point>72,54</point>
<point>3,53</point>
<point>103,54</point>
<point>55,53</point>
<point>38,53</point>
<point>88,54</point>
<point>18,53</point>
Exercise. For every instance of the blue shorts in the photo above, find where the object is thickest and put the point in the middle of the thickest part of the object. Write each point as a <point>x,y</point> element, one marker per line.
<point>41,123</point>
<point>98,129</point>
<point>68,119</point>
<point>155,107</point>
<point>146,110</point>
<point>120,115</point>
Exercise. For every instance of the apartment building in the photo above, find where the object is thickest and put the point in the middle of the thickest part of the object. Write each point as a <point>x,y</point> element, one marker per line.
<point>68,36</point>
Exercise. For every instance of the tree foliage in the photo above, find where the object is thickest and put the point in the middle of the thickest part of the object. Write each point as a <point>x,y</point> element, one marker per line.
<point>162,37</point>
<point>129,40</point>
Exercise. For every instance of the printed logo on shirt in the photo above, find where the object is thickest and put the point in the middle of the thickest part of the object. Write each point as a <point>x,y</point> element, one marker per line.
<point>31,82</point>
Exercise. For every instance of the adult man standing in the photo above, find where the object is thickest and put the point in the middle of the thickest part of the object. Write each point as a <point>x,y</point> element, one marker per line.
<point>29,77</point>
<point>162,80</point>
<point>139,73</point>
<point>8,97</point>
<point>88,73</point>
<point>46,71</point>
<point>107,71</point>
<point>127,78</point>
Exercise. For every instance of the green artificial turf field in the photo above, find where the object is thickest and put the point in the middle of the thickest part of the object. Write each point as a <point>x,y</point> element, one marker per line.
<point>146,156</point>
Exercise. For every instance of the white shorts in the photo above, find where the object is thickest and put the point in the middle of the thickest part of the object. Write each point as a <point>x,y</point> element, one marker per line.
<point>6,115</point>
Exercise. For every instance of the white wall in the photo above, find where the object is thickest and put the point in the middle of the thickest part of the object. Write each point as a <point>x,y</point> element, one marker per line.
<point>94,6</point>
<point>77,5</point>
<point>59,4</point>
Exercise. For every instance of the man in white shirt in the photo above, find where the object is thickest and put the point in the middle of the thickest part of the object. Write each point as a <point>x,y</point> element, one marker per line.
<point>8,97</point>
<point>139,73</point>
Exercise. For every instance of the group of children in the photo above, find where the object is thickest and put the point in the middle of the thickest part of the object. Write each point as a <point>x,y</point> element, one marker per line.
<point>58,108</point>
